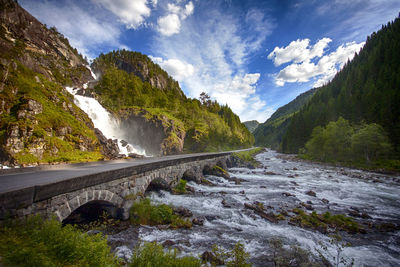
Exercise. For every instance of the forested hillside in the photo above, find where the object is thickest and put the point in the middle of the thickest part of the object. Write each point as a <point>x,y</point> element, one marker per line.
<point>131,82</point>
<point>365,91</point>
<point>251,125</point>
<point>270,133</point>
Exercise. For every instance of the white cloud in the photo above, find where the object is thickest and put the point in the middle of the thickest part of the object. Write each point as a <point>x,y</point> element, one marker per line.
<point>170,24</point>
<point>176,68</point>
<point>131,12</point>
<point>219,55</point>
<point>298,51</point>
<point>84,31</point>
<point>302,69</point>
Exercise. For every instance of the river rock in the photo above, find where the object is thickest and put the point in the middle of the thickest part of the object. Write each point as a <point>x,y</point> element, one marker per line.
<point>226,205</point>
<point>293,182</point>
<point>325,201</point>
<point>192,175</point>
<point>311,193</point>
<point>287,194</point>
<point>268,216</point>
<point>109,147</point>
<point>123,143</point>
<point>168,243</point>
<point>198,221</point>
<point>184,212</point>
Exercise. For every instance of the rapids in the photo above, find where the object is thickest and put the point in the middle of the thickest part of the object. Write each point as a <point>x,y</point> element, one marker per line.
<point>374,194</point>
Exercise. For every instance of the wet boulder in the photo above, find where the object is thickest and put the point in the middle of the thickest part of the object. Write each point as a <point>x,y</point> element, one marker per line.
<point>159,184</point>
<point>311,193</point>
<point>181,211</point>
<point>198,221</point>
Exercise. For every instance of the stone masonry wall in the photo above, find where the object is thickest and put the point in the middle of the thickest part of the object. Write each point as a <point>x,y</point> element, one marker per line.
<point>114,192</point>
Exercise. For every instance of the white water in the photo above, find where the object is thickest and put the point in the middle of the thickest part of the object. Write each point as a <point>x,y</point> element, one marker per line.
<point>226,226</point>
<point>104,120</point>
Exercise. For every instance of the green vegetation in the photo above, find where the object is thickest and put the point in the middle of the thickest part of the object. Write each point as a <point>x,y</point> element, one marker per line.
<point>153,255</point>
<point>358,145</point>
<point>143,212</point>
<point>181,187</point>
<point>335,257</point>
<point>39,242</point>
<point>237,257</point>
<point>270,133</point>
<point>325,220</point>
<point>292,256</point>
<point>248,156</point>
<point>365,90</point>
<point>125,84</point>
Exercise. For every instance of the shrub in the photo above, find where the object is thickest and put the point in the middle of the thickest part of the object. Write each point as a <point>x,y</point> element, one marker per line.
<point>181,187</point>
<point>153,255</point>
<point>39,242</point>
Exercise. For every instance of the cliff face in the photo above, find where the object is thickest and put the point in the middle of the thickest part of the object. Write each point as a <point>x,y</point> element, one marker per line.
<point>39,123</point>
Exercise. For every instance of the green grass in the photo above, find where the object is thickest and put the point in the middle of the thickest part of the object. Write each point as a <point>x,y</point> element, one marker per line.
<point>248,156</point>
<point>39,242</point>
<point>143,212</point>
<point>153,255</point>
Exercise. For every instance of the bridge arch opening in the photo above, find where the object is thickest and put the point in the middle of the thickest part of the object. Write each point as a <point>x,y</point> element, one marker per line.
<point>95,210</point>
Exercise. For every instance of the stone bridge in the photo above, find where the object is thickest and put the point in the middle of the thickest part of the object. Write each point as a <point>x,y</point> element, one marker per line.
<point>61,191</point>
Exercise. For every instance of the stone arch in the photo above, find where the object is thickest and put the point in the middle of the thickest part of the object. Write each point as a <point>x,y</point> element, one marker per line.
<point>64,210</point>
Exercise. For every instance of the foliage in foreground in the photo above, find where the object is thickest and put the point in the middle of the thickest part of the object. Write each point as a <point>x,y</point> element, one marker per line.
<point>153,255</point>
<point>237,257</point>
<point>39,242</point>
<point>143,212</point>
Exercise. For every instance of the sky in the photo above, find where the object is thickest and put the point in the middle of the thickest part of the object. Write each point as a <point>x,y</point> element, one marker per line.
<point>253,55</point>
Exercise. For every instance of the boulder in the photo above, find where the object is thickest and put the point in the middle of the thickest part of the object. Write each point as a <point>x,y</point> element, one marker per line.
<point>260,211</point>
<point>198,221</point>
<point>109,147</point>
<point>135,156</point>
<point>311,193</point>
<point>181,211</point>
<point>192,175</point>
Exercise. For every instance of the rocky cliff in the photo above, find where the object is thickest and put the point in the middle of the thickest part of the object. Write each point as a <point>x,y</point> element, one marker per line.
<point>39,123</point>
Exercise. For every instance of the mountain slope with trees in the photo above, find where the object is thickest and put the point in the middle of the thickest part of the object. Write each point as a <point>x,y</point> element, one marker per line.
<point>270,132</point>
<point>130,83</point>
<point>365,92</point>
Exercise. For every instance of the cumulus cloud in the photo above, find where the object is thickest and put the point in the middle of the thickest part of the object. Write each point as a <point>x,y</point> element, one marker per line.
<point>219,55</point>
<point>170,24</point>
<point>298,51</point>
<point>69,18</point>
<point>131,12</point>
<point>302,69</point>
<point>176,68</point>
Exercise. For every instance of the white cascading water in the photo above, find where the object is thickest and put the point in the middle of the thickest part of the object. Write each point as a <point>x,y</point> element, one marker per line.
<point>103,120</point>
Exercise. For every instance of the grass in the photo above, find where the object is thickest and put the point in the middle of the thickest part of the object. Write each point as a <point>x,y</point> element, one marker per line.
<point>325,220</point>
<point>143,212</point>
<point>153,255</point>
<point>39,242</point>
<point>248,156</point>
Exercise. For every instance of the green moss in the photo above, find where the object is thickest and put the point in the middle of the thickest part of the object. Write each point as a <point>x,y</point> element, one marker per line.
<point>318,221</point>
<point>218,168</point>
<point>26,158</point>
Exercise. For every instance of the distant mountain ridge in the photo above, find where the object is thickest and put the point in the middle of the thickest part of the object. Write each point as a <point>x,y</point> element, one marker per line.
<point>251,125</point>
<point>270,133</point>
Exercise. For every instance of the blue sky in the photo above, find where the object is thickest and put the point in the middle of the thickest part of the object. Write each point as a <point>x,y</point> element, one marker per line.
<point>253,55</point>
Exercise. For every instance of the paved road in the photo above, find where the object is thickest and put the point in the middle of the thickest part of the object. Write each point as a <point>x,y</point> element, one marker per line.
<point>15,179</point>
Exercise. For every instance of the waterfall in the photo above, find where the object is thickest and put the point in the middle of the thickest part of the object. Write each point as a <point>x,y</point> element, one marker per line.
<point>104,120</point>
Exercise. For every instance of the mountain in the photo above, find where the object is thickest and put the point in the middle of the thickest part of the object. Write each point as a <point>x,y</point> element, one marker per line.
<point>270,133</point>
<point>151,106</point>
<point>366,90</point>
<point>39,122</point>
<point>251,125</point>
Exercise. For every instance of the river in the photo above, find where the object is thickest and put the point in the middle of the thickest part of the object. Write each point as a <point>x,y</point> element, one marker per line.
<point>338,190</point>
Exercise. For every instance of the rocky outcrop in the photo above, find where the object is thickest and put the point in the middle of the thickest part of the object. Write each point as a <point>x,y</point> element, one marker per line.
<point>157,133</point>
<point>109,147</point>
